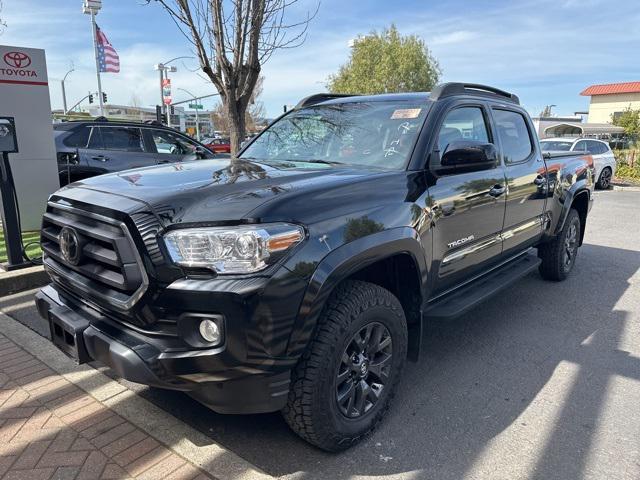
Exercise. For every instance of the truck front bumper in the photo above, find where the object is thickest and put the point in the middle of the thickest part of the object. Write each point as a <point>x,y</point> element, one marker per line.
<point>208,375</point>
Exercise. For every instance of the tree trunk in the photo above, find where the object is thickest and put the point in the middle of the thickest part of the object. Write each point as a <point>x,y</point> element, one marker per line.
<point>237,125</point>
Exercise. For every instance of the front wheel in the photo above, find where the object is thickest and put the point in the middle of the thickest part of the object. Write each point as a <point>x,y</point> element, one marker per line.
<point>344,382</point>
<point>559,255</point>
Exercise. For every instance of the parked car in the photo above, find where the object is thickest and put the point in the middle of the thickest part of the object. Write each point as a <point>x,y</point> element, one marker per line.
<point>89,148</point>
<point>218,145</point>
<point>603,157</point>
<point>298,277</point>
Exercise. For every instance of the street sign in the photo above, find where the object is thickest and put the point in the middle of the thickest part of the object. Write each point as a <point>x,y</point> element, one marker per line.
<point>166,91</point>
<point>195,106</point>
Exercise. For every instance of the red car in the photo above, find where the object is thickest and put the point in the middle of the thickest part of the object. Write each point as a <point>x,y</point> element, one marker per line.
<point>218,145</point>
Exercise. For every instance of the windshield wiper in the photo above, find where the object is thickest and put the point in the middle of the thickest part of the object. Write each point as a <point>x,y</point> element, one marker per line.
<point>325,162</point>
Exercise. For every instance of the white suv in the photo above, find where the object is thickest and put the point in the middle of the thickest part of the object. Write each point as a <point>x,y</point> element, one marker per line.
<point>603,158</point>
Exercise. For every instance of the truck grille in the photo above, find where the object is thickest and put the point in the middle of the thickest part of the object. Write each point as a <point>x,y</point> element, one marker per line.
<point>104,266</point>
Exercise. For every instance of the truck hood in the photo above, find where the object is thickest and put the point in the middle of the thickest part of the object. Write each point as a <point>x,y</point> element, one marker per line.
<point>223,189</point>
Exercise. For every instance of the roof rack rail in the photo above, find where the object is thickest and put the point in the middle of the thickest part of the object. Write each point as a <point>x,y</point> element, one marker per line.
<point>101,119</point>
<point>457,88</point>
<point>321,97</point>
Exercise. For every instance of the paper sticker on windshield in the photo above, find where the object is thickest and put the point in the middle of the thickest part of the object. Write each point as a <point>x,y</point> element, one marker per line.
<point>406,113</point>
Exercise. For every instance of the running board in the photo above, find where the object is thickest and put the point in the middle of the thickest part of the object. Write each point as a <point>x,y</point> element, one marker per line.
<point>464,299</point>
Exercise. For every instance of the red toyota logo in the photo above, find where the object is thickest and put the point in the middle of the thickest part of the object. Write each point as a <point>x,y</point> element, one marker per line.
<point>17,59</point>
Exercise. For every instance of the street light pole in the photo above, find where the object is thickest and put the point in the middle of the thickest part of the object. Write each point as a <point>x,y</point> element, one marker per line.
<point>92,7</point>
<point>197,117</point>
<point>164,70</point>
<point>64,93</point>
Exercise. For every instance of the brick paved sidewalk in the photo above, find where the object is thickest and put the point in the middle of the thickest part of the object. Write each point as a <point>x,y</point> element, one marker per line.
<point>49,428</point>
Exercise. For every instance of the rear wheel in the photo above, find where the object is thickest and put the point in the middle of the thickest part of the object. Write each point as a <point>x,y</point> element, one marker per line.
<point>605,179</point>
<point>559,255</point>
<point>344,382</point>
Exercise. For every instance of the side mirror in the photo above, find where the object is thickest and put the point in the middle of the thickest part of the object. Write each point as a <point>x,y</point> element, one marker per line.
<point>468,156</point>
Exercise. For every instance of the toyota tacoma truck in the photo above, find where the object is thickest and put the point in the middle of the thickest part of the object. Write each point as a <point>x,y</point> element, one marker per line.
<point>298,275</point>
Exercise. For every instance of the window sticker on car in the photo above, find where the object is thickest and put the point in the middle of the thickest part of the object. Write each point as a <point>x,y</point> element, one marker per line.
<point>406,113</point>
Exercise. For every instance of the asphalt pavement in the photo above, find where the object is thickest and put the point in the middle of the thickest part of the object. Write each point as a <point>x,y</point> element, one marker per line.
<point>541,382</point>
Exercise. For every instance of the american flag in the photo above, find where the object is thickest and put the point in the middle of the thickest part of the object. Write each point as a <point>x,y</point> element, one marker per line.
<point>107,57</point>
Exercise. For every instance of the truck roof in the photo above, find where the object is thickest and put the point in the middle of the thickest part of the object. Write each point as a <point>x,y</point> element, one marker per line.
<point>443,90</point>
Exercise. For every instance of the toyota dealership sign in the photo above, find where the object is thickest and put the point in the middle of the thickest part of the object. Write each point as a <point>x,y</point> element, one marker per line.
<point>24,96</point>
<point>22,66</point>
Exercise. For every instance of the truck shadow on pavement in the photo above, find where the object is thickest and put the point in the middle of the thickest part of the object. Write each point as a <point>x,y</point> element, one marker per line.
<point>490,372</point>
<point>516,388</point>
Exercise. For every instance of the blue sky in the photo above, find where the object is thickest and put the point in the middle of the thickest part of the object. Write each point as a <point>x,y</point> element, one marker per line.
<point>546,51</point>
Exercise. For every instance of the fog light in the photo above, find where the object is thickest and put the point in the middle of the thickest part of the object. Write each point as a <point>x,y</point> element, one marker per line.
<point>210,331</point>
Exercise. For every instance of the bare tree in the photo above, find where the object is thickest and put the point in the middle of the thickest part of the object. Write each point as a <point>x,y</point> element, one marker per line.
<point>232,39</point>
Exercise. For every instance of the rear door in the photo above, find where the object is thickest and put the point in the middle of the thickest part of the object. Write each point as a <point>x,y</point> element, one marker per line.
<point>526,178</point>
<point>468,211</point>
<point>112,149</point>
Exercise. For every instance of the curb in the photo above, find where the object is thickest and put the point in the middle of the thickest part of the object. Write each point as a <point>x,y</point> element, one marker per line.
<point>625,188</point>
<point>24,279</point>
<point>187,442</point>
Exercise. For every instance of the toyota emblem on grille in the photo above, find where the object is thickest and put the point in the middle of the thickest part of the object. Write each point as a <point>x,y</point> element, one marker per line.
<point>70,246</point>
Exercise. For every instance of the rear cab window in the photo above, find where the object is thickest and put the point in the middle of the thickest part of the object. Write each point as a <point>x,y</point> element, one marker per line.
<point>514,135</point>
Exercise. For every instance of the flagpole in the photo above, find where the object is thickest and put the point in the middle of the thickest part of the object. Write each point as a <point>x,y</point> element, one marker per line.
<point>95,54</point>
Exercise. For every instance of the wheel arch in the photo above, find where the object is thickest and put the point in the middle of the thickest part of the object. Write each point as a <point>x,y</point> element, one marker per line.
<point>393,259</point>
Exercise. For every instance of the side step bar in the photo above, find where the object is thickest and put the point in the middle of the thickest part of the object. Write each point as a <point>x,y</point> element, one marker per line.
<point>460,301</point>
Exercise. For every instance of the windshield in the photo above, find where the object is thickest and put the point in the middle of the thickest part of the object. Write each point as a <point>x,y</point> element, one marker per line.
<point>549,146</point>
<point>374,134</point>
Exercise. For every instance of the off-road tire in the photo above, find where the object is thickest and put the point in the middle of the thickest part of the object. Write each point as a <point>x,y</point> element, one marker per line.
<point>553,253</point>
<point>604,182</point>
<point>312,409</point>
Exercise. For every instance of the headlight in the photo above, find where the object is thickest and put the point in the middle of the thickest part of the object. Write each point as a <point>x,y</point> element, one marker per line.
<point>239,249</point>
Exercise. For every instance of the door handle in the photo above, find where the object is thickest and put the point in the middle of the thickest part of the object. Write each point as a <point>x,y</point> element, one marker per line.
<point>497,190</point>
<point>100,158</point>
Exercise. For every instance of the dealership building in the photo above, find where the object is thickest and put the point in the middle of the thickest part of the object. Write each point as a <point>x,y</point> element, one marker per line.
<point>608,101</point>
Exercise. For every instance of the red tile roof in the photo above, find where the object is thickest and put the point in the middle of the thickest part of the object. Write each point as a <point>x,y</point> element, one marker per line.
<point>609,88</point>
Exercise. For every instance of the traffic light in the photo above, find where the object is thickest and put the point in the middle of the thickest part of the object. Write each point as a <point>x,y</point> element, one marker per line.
<point>160,117</point>
<point>90,98</point>
<point>104,97</point>
<point>172,110</point>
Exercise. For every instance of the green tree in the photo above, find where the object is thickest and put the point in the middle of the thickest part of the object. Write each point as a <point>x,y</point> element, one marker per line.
<point>387,62</point>
<point>629,120</point>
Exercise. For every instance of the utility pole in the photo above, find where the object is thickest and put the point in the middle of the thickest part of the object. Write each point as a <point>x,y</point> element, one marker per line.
<point>91,7</point>
<point>164,69</point>
<point>196,100</point>
<point>64,93</point>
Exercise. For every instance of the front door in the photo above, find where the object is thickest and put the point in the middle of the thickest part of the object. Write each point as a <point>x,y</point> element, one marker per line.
<point>468,208</point>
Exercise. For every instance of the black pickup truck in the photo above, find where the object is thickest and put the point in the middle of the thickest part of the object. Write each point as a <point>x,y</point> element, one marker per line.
<point>298,276</point>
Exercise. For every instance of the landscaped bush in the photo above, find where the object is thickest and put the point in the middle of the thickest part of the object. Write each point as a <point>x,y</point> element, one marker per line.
<point>628,164</point>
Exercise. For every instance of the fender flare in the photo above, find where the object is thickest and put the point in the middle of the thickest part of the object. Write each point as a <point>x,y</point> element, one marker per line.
<point>577,189</point>
<point>342,263</point>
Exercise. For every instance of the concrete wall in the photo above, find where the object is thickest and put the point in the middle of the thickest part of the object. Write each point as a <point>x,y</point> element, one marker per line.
<point>24,94</point>
<point>603,106</point>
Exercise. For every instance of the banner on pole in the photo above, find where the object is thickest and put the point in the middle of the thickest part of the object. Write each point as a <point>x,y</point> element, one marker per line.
<point>166,91</point>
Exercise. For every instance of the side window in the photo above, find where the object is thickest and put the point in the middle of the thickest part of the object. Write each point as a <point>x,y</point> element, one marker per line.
<point>171,143</point>
<point>122,138</point>
<point>580,146</point>
<point>514,135</point>
<point>597,148</point>
<point>465,123</point>
<point>95,139</point>
<point>79,138</point>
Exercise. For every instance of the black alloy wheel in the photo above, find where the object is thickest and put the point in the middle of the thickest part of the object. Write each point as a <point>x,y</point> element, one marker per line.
<point>364,370</point>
